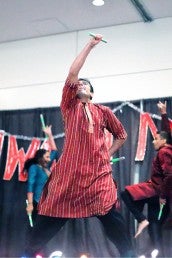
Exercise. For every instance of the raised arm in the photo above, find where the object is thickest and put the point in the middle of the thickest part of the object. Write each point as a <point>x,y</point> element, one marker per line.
<point>70,88</point>
<point>47,130</point>
<point>80,59</point>
<point>165,124</point>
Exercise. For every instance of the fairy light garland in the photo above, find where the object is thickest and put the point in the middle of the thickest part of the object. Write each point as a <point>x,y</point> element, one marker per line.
<point>61,135</point>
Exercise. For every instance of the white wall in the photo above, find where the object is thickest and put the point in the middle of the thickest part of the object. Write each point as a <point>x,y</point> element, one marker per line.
<point>136,63</point>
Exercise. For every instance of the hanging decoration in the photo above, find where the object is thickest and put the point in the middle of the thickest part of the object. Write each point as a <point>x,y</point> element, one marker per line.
<point>145,123</point>
<point>17,157</point>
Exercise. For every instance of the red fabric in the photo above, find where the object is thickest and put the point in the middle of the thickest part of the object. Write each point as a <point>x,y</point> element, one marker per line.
<point>81,184</point>
<point>141,191</point>
<point>161,177</point>
<point>166,123</point>
<point>162,171</point>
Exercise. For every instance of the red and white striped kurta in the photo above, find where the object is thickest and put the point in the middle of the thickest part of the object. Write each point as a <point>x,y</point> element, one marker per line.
<point>81,184</point>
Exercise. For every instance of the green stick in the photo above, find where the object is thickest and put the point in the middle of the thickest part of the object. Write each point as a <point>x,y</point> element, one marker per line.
<point>43,123</point>
<point>117,159</point>
<point>160,211</point>
<point>94,35</point>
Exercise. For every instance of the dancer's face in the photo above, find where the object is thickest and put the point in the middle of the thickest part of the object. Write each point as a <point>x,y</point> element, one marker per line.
<point>158,142</point>
<point>83,90</point>
<point>45,159</point>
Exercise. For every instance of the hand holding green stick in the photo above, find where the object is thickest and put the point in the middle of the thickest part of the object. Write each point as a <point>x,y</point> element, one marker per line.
<point>30,216</point>
<point>93,35</point>
<point>117,159</point>
<point>160,211</point>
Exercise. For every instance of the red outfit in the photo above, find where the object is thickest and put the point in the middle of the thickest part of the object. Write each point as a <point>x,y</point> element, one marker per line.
<point>161,174</point>
<point>81,184</point>
<point>162,171</point>
<point>165,125</point>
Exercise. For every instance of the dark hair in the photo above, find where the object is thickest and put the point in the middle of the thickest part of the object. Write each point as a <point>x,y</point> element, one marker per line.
<point>88,81</point>
<point>35,160</point>
<point>166,136</point>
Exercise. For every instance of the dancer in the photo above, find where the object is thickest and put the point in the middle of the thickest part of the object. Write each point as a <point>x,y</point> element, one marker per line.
<point>165,125</point>
<point>82,185</point>
<point>154,191</point>
<point>38,169</point>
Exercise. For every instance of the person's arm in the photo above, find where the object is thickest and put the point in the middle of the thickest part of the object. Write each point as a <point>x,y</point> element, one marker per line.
<point>114,126</point>
<point>80,59</point>
<point>166,165</point>
<point>70,88</point>
<point>117,144</point>
<point>29,207</point>
<point>30,185</point>
<point>54,155</point>
<point>165,123</point>
<point>47,130</point>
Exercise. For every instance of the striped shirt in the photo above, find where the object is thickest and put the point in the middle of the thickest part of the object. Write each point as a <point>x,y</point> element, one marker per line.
<point>81,184</point>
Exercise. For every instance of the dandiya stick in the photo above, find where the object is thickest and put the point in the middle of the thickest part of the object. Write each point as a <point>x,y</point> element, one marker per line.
<point>160,211</point>
<point>30,216</point>
<point>117,159</point>
<point>43,123</point>
<point>94,36</point>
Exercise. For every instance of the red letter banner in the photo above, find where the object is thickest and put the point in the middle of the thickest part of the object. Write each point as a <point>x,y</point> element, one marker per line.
<point>18,157</point>
<point>145,122</point>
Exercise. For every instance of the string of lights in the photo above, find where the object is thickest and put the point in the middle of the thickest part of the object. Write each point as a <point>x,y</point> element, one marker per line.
<point>61,135</point>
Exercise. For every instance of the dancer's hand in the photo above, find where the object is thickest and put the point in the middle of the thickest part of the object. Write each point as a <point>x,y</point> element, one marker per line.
<point>29,208</point>
<point>162,107</point>
<point>47,130</point>
<point>162,201</point>
<point>96,39</point>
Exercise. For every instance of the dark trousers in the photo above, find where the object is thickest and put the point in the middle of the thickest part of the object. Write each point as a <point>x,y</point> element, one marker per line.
<point>46,227</point>
<point>136,207</point>
<point>155,225</point>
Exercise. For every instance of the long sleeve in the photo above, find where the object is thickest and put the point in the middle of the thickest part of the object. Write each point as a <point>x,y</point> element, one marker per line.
<point>166,164</point>
<point>68,96</point>
<point>31,178</point>
<point>165,123</point>
<point>114,126</point>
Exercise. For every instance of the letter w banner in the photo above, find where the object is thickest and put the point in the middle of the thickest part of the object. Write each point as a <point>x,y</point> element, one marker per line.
<point>18,157</point>
<point>145,123</point>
